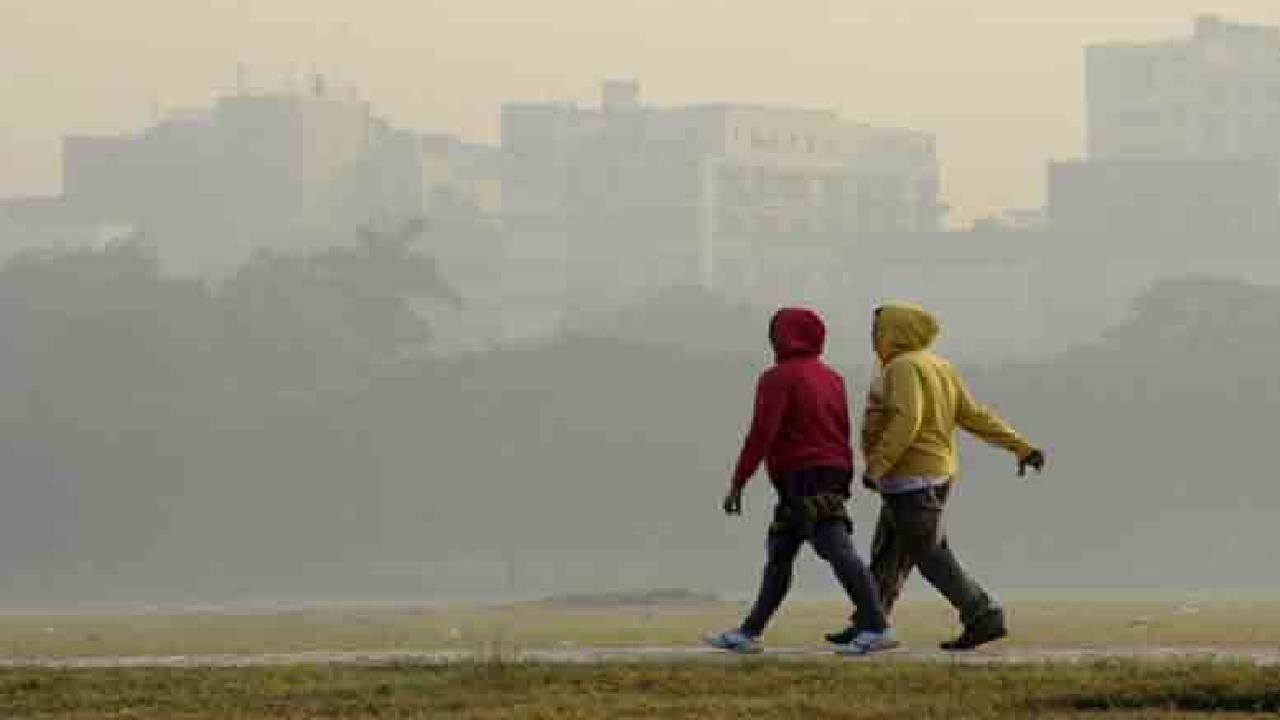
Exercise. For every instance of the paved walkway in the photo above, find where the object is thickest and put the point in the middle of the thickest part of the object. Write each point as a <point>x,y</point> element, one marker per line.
<point>1262,656</point>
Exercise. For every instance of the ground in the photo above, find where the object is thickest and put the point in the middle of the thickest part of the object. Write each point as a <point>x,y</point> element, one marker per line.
<point>619,659</point>
<point>756,688</point>
<point>1245,624</point>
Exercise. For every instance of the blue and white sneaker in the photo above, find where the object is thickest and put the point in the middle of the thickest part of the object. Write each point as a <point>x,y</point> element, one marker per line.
<point>735,641</point>
<point>870,641</point>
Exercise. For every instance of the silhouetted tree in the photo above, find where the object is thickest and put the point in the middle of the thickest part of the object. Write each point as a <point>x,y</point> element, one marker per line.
<point>326,319</point>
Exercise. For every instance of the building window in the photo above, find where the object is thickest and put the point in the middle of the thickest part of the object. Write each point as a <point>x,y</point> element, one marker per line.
<point>764,141</point>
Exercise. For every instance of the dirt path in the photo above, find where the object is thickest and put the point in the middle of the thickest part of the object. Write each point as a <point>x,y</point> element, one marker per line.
<point>1262,656</point>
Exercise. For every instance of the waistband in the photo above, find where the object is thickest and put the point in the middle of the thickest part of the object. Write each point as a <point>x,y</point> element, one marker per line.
<point>899,485</point>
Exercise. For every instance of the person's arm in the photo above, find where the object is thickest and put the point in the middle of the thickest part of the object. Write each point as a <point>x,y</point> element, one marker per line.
<point>903,397</point>
<point>984,424</point>
<point>872,427</point>
<point>766,420</point>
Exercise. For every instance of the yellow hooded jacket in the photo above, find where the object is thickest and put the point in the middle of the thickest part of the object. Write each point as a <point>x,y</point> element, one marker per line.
<point>923,401</point>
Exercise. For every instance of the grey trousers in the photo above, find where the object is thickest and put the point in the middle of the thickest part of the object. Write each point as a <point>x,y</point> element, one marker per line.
<point>833,542</point>
<point>909,534</point>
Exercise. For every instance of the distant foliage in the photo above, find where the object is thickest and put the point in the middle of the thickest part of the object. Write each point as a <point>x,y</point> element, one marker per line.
<point>282,433</point>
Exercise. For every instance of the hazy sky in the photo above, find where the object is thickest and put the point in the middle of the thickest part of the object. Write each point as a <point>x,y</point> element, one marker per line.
<point>999,81</point>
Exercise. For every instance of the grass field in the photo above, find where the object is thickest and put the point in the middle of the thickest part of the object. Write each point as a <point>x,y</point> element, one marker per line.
<point>761,687</point>
<point>755,688</point>
<point>1084,624</point>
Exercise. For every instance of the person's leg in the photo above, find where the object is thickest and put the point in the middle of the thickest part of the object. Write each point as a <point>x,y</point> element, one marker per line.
<point>919,519</point>
<point>890,567</point>
<point>941,568</point>
<point>833,542</point>
<point>776,582</point>
<point>891,564</point>
<point>982,617</point>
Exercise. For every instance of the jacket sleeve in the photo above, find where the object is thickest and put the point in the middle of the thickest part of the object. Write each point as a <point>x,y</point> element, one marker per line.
<point>872,426</point>
<point>770,405</point>
<point>984,424</point>
<point>903,397</point>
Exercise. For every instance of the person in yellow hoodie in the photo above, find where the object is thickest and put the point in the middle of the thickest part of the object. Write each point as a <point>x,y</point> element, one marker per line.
<point>909,442</point>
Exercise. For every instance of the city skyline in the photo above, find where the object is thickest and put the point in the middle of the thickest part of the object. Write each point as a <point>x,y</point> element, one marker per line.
<point>450,68</point>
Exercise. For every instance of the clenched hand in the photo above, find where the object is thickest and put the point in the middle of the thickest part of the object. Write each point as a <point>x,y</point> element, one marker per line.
<point>733,503</point>
<point>1034,459</point>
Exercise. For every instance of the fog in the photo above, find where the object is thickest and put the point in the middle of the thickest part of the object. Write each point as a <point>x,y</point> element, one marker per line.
<point>998,80</point>
<point>301,301</point>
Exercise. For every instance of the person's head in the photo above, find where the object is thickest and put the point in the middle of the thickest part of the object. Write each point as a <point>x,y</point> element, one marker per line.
<point>796,332</point>
<point>900,328</point>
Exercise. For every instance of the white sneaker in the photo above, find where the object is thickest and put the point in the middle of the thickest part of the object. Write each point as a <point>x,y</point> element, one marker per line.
<point>870,641</point>
<point>735,641</point>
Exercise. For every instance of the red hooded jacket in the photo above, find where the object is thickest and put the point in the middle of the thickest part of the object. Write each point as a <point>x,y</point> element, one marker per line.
<point>801,415</point>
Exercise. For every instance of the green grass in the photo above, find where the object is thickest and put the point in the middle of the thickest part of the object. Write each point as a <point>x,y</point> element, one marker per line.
<point>756,688</point>
<point>1100,624</point>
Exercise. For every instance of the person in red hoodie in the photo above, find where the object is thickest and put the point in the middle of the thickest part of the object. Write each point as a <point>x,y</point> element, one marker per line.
<point>800,430</point>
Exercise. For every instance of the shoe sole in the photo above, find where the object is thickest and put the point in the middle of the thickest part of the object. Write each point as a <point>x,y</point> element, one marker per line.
<point>739,651</point>
<point>755,650</point>
<point>975,646</point>
<point>845,651</point>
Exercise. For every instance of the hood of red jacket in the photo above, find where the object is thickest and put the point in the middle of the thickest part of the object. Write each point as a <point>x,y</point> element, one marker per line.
<point>797,332</point>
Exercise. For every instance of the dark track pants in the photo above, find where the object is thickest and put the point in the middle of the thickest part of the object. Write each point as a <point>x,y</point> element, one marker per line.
<point>833,542</point>
<point>909,534</point>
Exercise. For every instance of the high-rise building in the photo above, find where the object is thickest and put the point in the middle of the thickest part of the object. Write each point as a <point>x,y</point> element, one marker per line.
<point>283,171</point>
<point>653,196</point>
<point>1213,94</point>
<point>210,184</point>
<point>1183,136</point>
